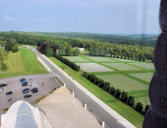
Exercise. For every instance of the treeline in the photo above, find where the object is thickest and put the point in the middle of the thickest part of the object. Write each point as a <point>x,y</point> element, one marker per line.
<point>51,51</point>
<point>63,49</point>
<point>68,46</point>
<point>132,52</point>
<point>120,95</point>
<point>68,62</point>
<point>9,44</point>
<point>131,39</point>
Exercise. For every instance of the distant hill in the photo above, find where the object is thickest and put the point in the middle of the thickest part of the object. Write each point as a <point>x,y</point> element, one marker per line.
<point>146,39</point>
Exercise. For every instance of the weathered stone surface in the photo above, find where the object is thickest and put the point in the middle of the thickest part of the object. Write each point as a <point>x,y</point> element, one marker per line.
<point>152,120</point>
<point>157,93</point>
<point>160,55</point>
<point>156,116</point>
<point>163,15</point>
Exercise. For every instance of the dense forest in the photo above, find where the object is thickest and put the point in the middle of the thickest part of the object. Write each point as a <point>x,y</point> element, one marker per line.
<point>121,39</point>
<point>51,45</point>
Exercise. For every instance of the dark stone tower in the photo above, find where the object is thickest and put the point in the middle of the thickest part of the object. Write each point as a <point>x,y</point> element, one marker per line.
<point>156,116</point>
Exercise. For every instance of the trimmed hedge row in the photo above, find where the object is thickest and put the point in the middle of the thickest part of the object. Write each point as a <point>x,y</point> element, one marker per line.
<point>121,95</point>
<point>68,62</point>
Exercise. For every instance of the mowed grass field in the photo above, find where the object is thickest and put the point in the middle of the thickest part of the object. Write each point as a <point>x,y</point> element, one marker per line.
<point>128,75</point>
<point>23,62</point>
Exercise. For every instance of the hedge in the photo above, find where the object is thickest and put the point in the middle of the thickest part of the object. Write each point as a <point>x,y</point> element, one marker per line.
<point>112,90</point>
<point>122,96</point>
<point>131,101</point>
<point>69,63</point>
<point>117,93</point>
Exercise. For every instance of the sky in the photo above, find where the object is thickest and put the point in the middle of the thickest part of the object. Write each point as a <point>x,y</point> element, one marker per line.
<point>94,16</point>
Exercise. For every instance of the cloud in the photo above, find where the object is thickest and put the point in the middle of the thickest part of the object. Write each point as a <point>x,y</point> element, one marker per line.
<point>8,18</point>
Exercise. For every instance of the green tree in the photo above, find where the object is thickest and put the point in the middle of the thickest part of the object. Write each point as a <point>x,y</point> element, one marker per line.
<point>131,101</point>
<point>139,107</point>
<point>117,93</point>
<point>10,44</point>
<point>124,96</point>
<point>112,91</point>
<point>75,51</point>
<point>15,49</point>
<point>3,67</point>
<point>68,51</point>
<point>49,51</point>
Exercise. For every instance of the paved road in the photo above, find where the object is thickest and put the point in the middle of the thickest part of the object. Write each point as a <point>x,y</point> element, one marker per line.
<point>93,107</point>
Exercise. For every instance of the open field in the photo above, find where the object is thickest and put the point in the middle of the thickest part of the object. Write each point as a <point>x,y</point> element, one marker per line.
<point>93,67</point>
<point>23,62</point>
<point>129,113</point>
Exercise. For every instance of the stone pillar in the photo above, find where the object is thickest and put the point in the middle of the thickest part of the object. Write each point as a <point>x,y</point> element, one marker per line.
<point>156,116</point>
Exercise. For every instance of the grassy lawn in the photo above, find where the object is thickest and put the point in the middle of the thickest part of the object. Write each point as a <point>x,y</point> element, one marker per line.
<point>121,66</point>
<point>144,65</point>
<point>144,76</point>
<point>93,67</point>
<point>23,62</point>
<point>123,82</point>
<point>124,110</point>
<point>100,59</point>
<point>76,59</point>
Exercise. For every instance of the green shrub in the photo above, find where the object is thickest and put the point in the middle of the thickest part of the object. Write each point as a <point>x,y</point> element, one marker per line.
<point>15,49</point>
<point>107,86</point>
<point>131,101</point>
<point>96,81</point>
<point>117,93</point>
<point>112,90</point>
<point>101,83</point>
<point>124,96</point>
<point>3,66</point>
<point>5,109</point>
<point>139,107</point>
<point>92,78</point>
<point>85,74</point>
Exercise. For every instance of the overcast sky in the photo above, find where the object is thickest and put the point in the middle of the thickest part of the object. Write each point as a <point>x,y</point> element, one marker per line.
<point>95,16</point>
